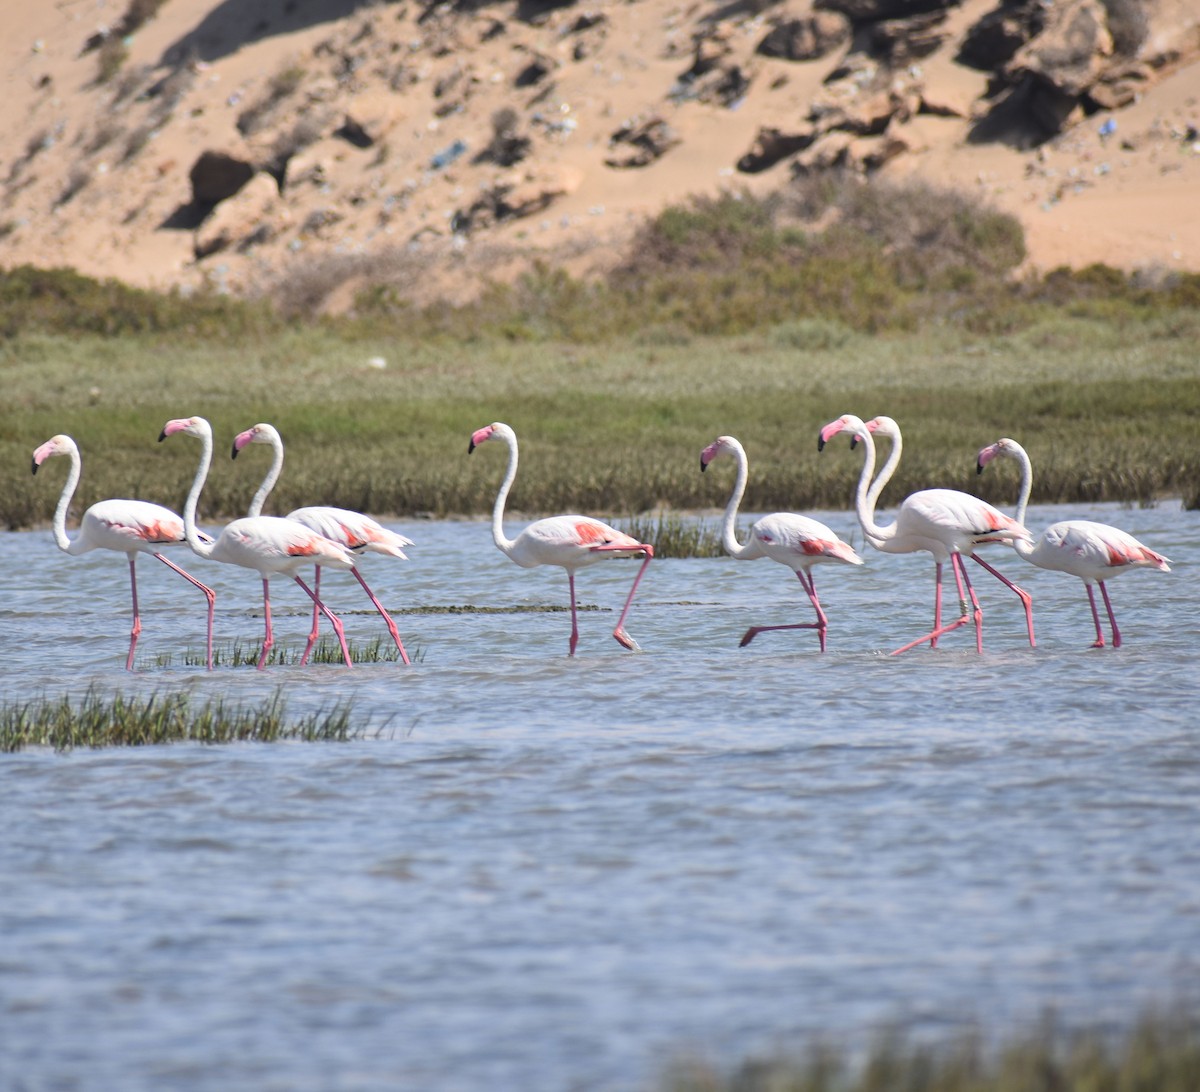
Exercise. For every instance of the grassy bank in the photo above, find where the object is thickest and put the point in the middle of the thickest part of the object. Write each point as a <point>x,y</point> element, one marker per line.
<point>96,720</point>
<point>1104,410</point>
<point>1160,1054</point>
<point>729,316</point>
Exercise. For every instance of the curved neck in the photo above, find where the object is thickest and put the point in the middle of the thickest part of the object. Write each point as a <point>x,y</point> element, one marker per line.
<point>505,544</point>
<point>885,474</point>
<point>1023,546</point>
<point>64,502</point>
<point>729,526</point>
<point>204,549</point>
<point>864,497</point>
<point>264,490</point>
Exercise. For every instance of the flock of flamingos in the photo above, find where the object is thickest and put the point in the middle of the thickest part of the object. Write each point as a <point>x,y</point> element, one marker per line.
<point>949,524</point>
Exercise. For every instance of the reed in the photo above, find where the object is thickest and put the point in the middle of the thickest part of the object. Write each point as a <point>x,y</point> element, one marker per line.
<point>96,720</point>
<point>325,651</point>
<point>1161,1052</point>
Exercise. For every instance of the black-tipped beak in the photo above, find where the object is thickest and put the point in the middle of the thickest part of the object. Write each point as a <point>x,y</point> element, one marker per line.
<point>470,445</point>
<point>820,443</point>
<point>703,465</point>
<point>162,435</point>
<point>854,441</point>
<point>233,453</point>
<point>34,461</point>
<point>979,467</point>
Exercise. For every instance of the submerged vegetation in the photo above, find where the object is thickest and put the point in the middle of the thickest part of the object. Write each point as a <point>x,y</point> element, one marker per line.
<point>735,315</point>
<point>123,721</point>
<point>1161,1053</point>
<point>325,651</point>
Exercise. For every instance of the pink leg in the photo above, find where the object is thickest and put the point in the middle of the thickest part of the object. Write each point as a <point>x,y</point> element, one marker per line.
<point>1026,598</point>
<point>386,617</point>
<point>937,605</point>
<point>619,633</point>
<point>137,618</point>
<point>819,625</point>
<point>976,610</point>
<point>1099,641</point>
<point>574,619</point>
<point>269,637</point>
<point>940,630</point>
<point>334,620</point>
<point>1112,618</point>
<point>209,594</point>
<point>316,619</point>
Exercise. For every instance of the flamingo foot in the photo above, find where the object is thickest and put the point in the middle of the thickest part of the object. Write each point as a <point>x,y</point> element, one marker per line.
<point>624,639</point>
<point>1098,643</point>
<point>754,631</point>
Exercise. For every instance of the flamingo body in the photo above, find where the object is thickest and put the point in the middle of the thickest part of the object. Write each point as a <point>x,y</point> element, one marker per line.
<point>352,530</point>
<point>1094,552</point>
<point>269,545</point>
<point>125,526</point>
<point>570,542</point>
<point>795,541</point>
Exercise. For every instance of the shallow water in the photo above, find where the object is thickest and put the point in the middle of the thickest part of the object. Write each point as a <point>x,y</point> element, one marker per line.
<point>547,874</point>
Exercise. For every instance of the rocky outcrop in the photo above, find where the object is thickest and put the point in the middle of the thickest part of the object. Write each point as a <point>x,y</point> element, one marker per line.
<point>217,175</point>
<point>254,215</point>
<point>806,39</point>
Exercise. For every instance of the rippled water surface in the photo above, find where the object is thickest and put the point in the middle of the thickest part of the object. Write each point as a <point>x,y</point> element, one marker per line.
<point>550,874</point>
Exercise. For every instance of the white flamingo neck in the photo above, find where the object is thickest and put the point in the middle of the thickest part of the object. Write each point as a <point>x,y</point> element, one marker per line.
<point>268,483</point>
<point>64,502</point>
<point>865,493</point>
<point>888,469</point>
<point>189,509</point>
<point>729,525</point>
<point>1023,546</point>
<point>498,536</point>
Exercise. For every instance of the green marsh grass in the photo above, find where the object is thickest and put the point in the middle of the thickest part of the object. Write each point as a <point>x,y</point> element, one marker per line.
<point>96,720</point>
<point>326,651</point>
<point>1161,1053</point>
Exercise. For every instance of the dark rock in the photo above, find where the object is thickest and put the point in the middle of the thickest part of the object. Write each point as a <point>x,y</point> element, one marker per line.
<point>771,146</point>
<point>872,11</point>
<point>806,39</point>
<point>216,176</point>
<point>643,142</point>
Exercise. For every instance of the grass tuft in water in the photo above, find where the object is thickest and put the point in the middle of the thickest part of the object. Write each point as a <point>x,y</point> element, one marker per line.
<point>673,536</point>
<point>96,720</point>
<point>325,651</point>
<point>1162,1053</point>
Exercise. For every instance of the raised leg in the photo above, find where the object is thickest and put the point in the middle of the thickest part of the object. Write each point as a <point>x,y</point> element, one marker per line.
<point>386,617</point>
<point>137,617</point>
<point>269,636</point>
<point>334,620</point>
<point>1112,618</point>
<point>574,619</point>
<point>209,594</point>
<point>1026,598</point>
<point>619,633</point>
<point>316,617</point>
<point>951,626</point>
<point>820,625</point>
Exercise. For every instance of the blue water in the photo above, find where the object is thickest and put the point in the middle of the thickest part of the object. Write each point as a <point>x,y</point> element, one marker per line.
<point>547,874</point>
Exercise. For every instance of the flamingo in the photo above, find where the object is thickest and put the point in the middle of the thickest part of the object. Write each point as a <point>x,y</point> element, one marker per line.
<point>569,541</point>
<point>128,526</point>
<point>267,544</point>
<point>356,532</point>
<point>796,541</point>
<point>1094,552</point>
<point>945,522</point>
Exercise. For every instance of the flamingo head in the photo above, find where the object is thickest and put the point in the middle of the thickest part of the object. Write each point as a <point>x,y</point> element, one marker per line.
<point>846,423</point>
<point>56,445</point>
<point>193,426</point>
<point>720,446</point>
<point>1003,448</point>
<point>490,432</point>
<point>258,434</point>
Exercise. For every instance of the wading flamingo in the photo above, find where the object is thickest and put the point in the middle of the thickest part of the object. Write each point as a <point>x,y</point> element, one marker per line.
<point>267,544</point>
<point>357,533</point>
<point>569,541</point>
<point>1094,552</point>
<point>945,522</point>
<point>796,541</point>
<point>128,526</point>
